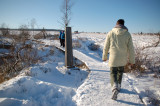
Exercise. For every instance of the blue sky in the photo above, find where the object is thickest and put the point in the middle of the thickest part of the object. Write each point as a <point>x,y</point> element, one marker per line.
<point>87,15</point>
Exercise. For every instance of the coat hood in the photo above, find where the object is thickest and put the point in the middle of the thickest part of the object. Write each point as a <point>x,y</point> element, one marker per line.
<point>120,29</point>
<point>119,45</point>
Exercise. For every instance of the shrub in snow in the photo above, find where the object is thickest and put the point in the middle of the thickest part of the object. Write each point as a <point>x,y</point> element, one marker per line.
<point>4,30</point>
<point>152,98</point>
<point>82,39</point>
<point>76,44</point>
<point>19,57</point>
<point>80,64</point>
<point>41,35</point>
<point>45,70</point>
<point>24,33</point>
<point>93,47</point>
<point>55,37</point>
<point>22,54</point>
<point>143,62</point>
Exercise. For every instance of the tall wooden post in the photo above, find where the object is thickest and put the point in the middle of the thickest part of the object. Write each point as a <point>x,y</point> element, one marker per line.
<point>68,48</point>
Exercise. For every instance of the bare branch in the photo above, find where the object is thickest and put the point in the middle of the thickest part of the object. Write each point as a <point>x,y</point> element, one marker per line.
<point>66,11</point>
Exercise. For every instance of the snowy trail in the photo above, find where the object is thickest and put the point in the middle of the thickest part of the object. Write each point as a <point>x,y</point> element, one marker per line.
<point>96,90</point>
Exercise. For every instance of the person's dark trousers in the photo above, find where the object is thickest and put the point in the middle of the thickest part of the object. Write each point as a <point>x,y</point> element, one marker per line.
<point>60,41</point>
<point>63,42</point>
<point>116,74</point>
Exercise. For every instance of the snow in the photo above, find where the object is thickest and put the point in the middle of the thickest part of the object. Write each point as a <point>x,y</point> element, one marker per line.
<point>46,84</point>
<point>49,83</point>
<point>96,91</point>
<point>97,86</point>
<point>30,91</point>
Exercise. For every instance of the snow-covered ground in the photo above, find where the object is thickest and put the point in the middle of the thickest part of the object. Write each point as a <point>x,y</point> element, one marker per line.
<point>49,83</point>
<point>146,86</point>
<point>96,89</point>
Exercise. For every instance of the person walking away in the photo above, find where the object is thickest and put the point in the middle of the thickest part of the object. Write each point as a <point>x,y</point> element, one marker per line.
<point>119,45</point>
<point>63,39</point>
<point>60,34</point>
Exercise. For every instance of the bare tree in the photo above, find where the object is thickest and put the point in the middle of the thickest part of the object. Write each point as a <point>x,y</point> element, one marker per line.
<point>4,29</point>
<point>33,23</point>
<point>66,11</point>
<point>24,33</point>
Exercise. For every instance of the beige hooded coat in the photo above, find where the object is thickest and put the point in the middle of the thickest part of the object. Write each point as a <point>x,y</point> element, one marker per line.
<point>119,45</point>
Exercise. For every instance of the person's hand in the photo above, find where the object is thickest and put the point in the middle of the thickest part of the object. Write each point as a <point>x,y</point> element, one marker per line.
<point>131,65</point>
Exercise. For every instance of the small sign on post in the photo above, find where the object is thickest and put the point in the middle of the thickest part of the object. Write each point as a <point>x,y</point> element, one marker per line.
<point>68,48</point>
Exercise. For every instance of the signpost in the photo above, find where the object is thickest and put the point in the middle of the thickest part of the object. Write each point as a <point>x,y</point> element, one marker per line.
<point>68,48</point>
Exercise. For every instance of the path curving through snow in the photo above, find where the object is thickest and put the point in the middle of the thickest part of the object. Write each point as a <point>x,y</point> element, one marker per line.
<point>96,89</point>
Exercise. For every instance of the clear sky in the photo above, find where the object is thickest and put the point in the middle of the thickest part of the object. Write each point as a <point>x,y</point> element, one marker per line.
<point>87,15</point>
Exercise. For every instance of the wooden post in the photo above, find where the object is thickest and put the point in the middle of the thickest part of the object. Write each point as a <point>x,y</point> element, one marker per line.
<point>68,48</point>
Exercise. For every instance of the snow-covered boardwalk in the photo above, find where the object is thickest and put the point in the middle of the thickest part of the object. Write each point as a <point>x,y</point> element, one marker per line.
<point>96,89</point>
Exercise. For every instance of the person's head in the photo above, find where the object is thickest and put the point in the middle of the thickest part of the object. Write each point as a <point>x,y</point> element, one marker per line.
<point>120,21</point>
